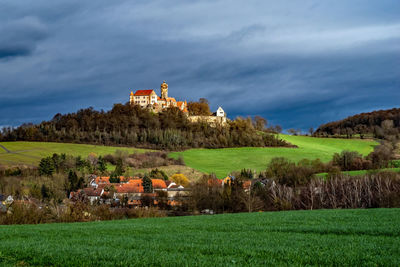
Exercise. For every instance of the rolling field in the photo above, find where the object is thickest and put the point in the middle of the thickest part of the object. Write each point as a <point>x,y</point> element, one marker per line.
<point>223,161</point>
<point>30,153</point>
<point>320,237</point>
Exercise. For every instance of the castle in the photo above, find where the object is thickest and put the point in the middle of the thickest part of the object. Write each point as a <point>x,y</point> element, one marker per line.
<point>150,99</point>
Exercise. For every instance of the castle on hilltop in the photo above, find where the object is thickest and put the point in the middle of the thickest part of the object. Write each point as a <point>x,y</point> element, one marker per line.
<point>150,99</point>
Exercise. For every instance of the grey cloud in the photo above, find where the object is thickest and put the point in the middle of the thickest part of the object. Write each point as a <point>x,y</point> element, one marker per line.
<point>21,36</point>
<point>297,63</point>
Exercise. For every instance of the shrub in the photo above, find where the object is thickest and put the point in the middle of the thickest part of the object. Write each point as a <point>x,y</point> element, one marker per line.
<point>180,179</point>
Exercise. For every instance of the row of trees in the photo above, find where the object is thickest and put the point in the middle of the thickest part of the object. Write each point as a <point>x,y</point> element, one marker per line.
<point>369,191</point>
<point>135,126</point>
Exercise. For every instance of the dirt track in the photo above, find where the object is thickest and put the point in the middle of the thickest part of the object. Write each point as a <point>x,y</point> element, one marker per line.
<point>3,147</point>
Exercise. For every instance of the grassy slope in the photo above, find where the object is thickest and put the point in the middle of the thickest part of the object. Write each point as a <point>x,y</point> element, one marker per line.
<point>321,237</point>
<point>223,161</point>
<point>361,172</point>
<point>30,153</point>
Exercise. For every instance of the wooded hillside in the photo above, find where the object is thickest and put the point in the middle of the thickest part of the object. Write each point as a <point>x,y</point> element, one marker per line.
<point>134,126</point>
<point>376,123</point>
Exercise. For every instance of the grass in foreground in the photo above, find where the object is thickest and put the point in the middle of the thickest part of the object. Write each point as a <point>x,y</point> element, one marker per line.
<point>30,153</point>
<point>223,161</point>
<point>321,237</point>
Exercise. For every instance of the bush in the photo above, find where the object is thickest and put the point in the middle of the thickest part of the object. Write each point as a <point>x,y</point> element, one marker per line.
<point>180,179</point>
<point>287,173</point>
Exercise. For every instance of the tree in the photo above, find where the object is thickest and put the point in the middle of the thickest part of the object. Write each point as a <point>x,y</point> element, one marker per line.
<point>92,158</point>
<point>346,160</point>
<point>74,183</point>
<point>45,192</point>
<point>158,174</point>
<point>180,179</point>
<point>101,165</point>
<point>259,123</point>
<point>200,108</point>
<point>147,184</point>
<point>278,128</point>
<point>114,178</point>
<point>119,168</point>
<point>311,131</point>
<point>46,166</point>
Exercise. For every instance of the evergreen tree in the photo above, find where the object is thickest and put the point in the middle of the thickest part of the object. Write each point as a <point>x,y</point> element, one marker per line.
<point>101,165</point>
<point>46,166</point>
<point>119,169</point>
<point>147,184</point>
<point>72,181</point>
<point>114,178</point>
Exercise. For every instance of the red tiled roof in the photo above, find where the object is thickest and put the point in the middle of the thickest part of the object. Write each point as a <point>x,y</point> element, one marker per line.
<point>143,92</point>
<point>130,188</point>
<point>106,179</point>
<point>93,192</point>
<point>158,184</point>
<point>135,186</point>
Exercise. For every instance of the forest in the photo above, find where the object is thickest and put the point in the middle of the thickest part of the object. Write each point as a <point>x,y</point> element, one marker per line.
<point>378,124</point>
<point>131,125</point>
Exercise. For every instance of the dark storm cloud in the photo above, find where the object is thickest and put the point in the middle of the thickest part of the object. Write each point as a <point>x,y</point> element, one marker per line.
<point>299,64</point>
<point>20,36</point>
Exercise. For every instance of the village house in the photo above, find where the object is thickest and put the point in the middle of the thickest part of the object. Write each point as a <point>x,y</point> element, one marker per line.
<point>129,191</point>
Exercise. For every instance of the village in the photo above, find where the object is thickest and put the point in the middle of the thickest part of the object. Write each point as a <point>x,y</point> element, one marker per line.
<point>135,192</point>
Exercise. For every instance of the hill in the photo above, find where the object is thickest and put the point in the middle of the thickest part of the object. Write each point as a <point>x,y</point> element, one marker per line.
<point>320,237</point>
<point>377,123</point>
<point>30,153</point>
<point>132,125</point>
<point>223,161</point>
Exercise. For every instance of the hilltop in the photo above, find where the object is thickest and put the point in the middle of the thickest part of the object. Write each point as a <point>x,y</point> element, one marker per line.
<point>133,125</point>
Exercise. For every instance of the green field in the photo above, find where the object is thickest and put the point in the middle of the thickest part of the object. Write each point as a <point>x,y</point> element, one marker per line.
<point>361,172</point>
<point>30,153</point>
<point>321,237</point>
<point>223,161</point>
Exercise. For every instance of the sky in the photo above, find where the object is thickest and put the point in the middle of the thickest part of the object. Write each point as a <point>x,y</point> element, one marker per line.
<point>297,63</point>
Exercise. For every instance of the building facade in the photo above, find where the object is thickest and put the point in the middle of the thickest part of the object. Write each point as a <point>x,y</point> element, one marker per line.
<point>150,99</point>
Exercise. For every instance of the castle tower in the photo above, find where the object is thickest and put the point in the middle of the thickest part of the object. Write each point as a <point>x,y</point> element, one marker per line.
<point>131,98</point>
<point>164,90</point>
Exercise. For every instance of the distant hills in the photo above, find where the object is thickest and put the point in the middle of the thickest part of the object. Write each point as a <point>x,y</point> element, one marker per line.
<point>376,124</point>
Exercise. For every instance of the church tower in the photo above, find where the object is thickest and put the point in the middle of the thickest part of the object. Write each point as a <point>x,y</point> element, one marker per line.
<point>164,90</point>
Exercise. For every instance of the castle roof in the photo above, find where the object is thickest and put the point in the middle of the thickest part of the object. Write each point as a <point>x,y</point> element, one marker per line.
<point>143,92</point>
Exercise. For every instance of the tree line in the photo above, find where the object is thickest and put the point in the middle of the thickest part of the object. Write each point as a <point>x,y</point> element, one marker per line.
<point>132,125</point>
<point>382,124</point>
